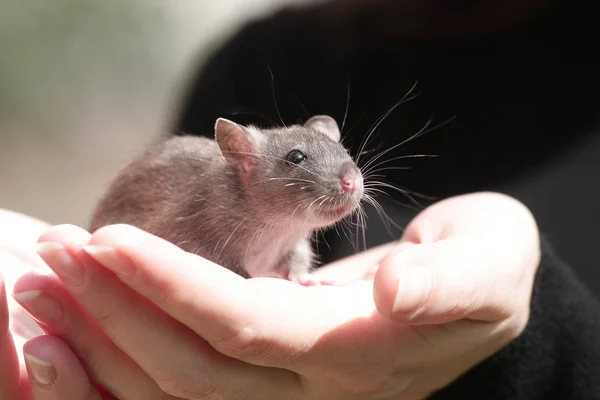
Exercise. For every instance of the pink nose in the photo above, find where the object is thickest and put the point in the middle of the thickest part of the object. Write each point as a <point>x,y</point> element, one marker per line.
<point>349,182</point>
<point>350,178</point>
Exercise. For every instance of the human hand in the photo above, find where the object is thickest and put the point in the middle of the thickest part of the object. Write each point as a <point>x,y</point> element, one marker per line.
<point>480,252</point>
<point>268,338</point>
<point>46,369</point>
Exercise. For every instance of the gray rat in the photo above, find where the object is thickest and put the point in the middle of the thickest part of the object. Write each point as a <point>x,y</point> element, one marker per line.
<point>248,200</point>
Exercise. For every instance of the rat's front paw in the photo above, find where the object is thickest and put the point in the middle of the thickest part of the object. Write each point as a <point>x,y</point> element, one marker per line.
<point>307,279</point>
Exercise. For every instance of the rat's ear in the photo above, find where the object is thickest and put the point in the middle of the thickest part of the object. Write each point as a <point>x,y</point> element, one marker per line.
<point>325,124</point>
<point>237,143</point>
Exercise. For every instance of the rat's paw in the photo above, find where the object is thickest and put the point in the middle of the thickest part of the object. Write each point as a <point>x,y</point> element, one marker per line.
<point>306,279</point>
<point>302,278</point>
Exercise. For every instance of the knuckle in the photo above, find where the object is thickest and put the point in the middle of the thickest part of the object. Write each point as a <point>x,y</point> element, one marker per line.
<point>245,344</point>
<point>104,315</point>
<point>519,325</point>
<point>168,294</point>
<point>86,354</point>
<point>90,359</point>
<point>515,314</point>
<point>513,327</point>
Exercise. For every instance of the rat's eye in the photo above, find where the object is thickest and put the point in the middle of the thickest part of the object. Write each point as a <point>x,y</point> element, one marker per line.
<point>296,156</point>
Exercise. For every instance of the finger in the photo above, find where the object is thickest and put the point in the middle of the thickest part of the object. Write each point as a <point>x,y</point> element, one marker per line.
<point>451,279</point>
<point>19,229</point>
<point>25,260</point>
<point>19,259</point>
<point>474,258</point>
<point>447,294</point>
<point>65,233</point>
<point>47,300</point>
<point>22,326</point>
<point>363,266</point>
<point>269,322</point>
<point>180,362</point>
<point>445,281</point>
<point>10,375</point>
<point>55,372</point>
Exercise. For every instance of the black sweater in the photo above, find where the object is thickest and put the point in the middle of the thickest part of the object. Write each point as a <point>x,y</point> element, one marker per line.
<point>520,98</point>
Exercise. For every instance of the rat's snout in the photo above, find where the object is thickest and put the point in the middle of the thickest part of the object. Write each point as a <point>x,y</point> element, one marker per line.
<point>350,178</point>
<point>349,182</point>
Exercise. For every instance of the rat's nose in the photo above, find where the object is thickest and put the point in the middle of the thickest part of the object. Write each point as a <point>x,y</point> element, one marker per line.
<point>350,178</point>
<point>349,183</point>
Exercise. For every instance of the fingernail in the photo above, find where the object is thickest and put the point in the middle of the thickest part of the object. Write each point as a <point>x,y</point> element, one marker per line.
<point>68,269</point>
<point>111,258</point>
<point>414,288</point>
<point>42,372</point>
<point>40,305</point>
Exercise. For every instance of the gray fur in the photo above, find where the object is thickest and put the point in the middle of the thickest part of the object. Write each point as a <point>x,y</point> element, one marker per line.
<point>247,212</point>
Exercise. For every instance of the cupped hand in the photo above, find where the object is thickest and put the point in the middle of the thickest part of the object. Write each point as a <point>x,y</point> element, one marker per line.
<point>455,290</point>
<point>34,366</point>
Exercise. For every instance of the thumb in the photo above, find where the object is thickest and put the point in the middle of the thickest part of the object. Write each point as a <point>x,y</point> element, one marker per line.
<point>448,280</point>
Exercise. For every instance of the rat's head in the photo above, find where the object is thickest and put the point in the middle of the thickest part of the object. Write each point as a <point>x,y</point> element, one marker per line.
<point>299,174</point>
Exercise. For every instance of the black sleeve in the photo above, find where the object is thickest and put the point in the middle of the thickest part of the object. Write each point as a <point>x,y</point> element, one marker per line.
<point>558,354</point>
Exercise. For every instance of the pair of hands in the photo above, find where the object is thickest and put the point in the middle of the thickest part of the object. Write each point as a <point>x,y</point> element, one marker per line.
<point>140,318</point>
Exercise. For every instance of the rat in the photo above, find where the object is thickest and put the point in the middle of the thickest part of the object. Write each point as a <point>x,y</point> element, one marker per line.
<point>248,200</point>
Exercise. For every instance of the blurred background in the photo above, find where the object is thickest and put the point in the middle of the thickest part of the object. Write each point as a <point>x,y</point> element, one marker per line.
<point>85,86</point>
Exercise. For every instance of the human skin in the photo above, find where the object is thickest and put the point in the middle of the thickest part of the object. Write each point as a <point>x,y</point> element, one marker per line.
<point>172,325</point>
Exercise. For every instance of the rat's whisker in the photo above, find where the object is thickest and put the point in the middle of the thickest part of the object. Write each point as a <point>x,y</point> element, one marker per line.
<point>382,118</point>
<point>346,229</point>
<point>346,225</point>
<point>421,132</point>
<point>373,175</point>
<point>274,98</point>
<point>347,135</point>
<point>296,181</point>
<point>300,103</point>
<point>291,178</point>
<point>375,171</point>
<point>372,184</point>
<point>347,107</point>
<point>363,225</point>
<point>314,201</point>
<point>364,152</point>
<point>189,216</point>
<point>355,242</point>
<point>414,206</point>
<point>323,201</point>
<point>386,151</point>
<point>263,116</point>
<point>385,218</point>
<point>230,236</point>
<point>367,169</point>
